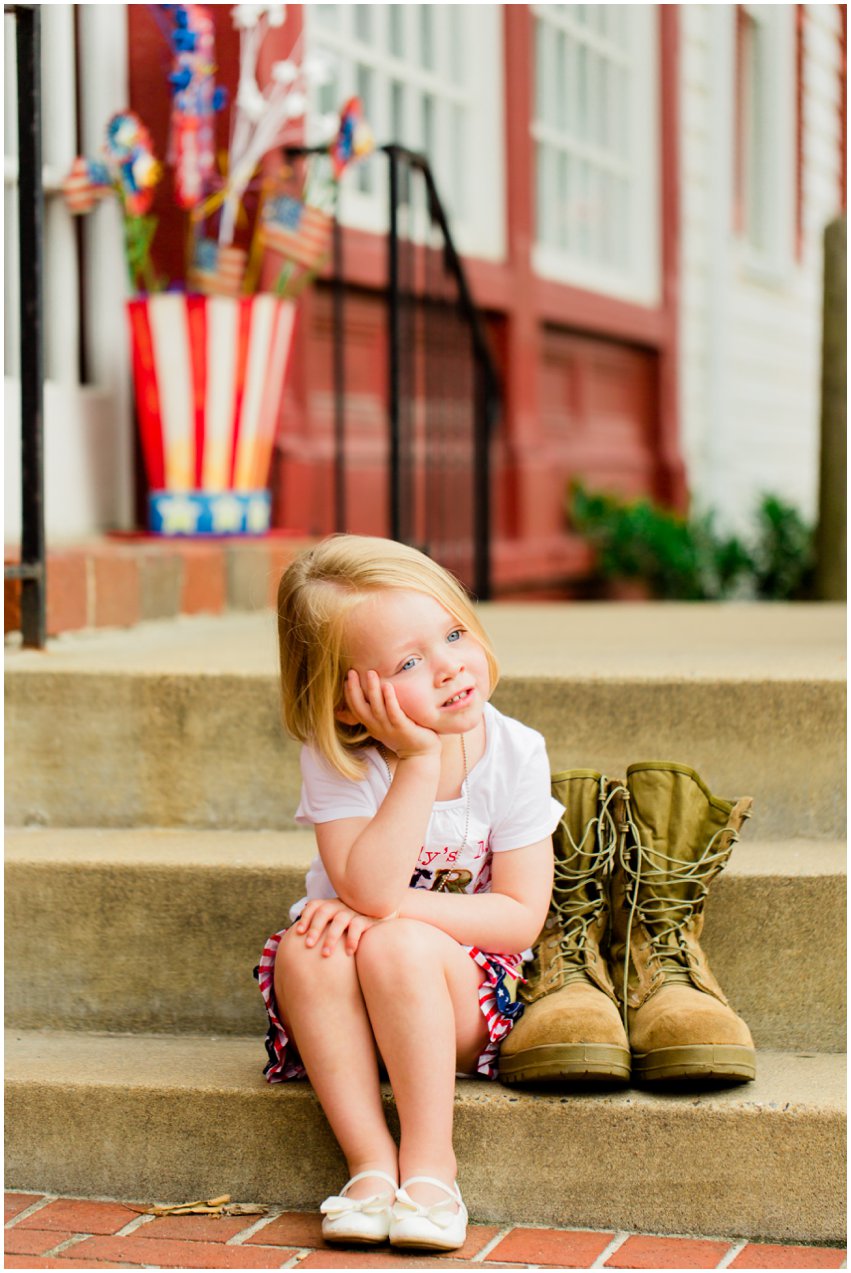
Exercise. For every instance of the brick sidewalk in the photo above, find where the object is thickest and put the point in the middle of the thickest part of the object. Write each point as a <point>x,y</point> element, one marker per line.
<point>44,1232</point>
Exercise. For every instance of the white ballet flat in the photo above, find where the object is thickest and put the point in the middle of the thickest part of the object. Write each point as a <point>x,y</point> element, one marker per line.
<point>439,1227</point>
<point>365,1220</point>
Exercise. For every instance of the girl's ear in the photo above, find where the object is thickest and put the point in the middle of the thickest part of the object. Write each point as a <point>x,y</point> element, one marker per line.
<point>346,717</point>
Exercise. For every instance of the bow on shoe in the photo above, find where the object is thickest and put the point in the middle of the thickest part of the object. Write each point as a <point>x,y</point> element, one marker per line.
<point>440,1213</point>
<point>341,1206</point>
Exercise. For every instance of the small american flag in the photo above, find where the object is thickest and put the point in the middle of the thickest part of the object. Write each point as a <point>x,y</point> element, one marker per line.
<point>86,183</point>
<point>296,230</point>
<point>217,271</point>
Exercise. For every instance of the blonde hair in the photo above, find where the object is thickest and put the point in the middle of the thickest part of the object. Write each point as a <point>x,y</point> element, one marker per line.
<point>316,594</point>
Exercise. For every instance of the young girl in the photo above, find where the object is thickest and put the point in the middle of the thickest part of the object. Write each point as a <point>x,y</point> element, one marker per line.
<point>433,821</point>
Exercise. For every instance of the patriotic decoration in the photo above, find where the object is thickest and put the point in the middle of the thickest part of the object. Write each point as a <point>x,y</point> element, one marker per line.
<point>195,101</point>
<point>209,374</point>
<point>261,115</point>
<point>209,362</point>
<point>202,513</point>
<point>131,162</point>
<point>128,169</point>
<point>295,230</point>
<point>354,138</point>
<point>86,184</point>
<point>217,271</point>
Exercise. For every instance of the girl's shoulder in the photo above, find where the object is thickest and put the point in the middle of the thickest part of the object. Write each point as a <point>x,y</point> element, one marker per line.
<point>510,739</point>
<point>326,794</point>
<point>315,767</point>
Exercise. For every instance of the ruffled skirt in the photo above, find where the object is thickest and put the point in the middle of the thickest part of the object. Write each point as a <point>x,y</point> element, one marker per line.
<point>497,999</point>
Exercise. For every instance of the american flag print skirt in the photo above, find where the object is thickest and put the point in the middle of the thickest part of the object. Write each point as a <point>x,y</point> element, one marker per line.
<point>497,999</point>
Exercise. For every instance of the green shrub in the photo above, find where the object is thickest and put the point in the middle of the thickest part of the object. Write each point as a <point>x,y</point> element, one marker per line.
<point>783,555</point>
<point>687,559</point>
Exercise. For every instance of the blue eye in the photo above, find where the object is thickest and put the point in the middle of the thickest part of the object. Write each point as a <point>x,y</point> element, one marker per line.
<point>409,663</point>
<point>456,635</point>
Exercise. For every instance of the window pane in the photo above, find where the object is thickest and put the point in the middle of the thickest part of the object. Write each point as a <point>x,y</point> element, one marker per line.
<point>560,86</point>
<point>621,115</point>
<point>426,36</point>
<point>458,119</point>
<point>542,70</point>
<point>363,22</point>
<point>545,209</point>
<point>328,95</point>
<point>365,81</point>
<point>397,29</point>
<point>456,43</point>
<point>604,104</point>
<point>583,210</point>
<point>622,222</point>
<point>570,231</point>
<point>570,74</point>
<point>595,212</point>
<point>428,126</point>
<point>563,201</point>
<point>397,111</point>
<point>582,92</point>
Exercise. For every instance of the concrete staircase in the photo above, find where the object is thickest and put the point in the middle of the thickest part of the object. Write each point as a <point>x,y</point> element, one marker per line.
<point>151,849</point>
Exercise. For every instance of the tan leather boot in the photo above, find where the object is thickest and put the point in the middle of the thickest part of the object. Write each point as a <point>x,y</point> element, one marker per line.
<point>675,838</point>
<point>571,1028</point>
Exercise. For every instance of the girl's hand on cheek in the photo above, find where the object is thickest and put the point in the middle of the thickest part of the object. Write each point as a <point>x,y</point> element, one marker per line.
<point>377,708</point>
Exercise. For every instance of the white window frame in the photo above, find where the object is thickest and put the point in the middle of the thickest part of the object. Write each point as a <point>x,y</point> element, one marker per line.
<point>477,219</point>
<point>773,261</point>
<point>641,281</point>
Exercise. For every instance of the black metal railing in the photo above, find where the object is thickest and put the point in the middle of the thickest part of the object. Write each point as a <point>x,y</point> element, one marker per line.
<point>31,570</point>
<point>443,393</point>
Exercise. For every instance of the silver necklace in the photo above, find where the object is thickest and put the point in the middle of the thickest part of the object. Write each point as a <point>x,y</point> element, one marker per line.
<point>464,844</point>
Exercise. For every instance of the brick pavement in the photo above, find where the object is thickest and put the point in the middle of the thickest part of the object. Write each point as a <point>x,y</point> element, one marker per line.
<point>46,1232</point>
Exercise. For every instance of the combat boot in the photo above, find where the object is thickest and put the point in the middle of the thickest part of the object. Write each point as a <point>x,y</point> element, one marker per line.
<point>675,838</point>
<point>571,1028</point>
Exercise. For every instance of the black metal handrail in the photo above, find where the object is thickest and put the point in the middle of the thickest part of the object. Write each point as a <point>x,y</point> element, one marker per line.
<point>487,392</point>
<point>31,570</point>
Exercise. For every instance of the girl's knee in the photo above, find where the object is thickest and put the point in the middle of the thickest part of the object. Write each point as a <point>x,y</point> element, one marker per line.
<point>396,951</point>
<point>303,969</point>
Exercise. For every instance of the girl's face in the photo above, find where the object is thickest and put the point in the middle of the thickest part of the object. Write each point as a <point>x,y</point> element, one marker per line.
<point>437,668</point>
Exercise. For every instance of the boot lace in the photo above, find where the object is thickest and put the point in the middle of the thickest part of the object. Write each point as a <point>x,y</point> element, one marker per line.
<point>665,916</point>
<point>573,912</point>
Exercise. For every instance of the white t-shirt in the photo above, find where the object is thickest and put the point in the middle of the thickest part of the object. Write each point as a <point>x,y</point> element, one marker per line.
<point>510,807</point>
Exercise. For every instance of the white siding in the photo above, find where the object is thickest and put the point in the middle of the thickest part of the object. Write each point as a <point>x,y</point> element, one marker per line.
<point>751,340</point>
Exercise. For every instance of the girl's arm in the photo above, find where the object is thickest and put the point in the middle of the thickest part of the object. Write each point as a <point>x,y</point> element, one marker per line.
<point>509,917</point>
<point>370,860</point>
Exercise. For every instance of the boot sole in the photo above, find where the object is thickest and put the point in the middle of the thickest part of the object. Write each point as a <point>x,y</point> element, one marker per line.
<point>709,1060</point>
<point>604,1061</point>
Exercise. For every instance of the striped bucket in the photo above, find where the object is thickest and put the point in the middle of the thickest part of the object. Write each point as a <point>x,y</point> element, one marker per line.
<point>209,374</point>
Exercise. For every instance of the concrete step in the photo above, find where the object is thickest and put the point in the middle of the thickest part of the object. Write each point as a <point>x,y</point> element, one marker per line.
<point>155,1117</point>
<point>160,929</point>
<point>177,724</point>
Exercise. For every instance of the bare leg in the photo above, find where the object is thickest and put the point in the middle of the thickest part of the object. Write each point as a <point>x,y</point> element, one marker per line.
<point>322,1008</point>
<point>420,989</point>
